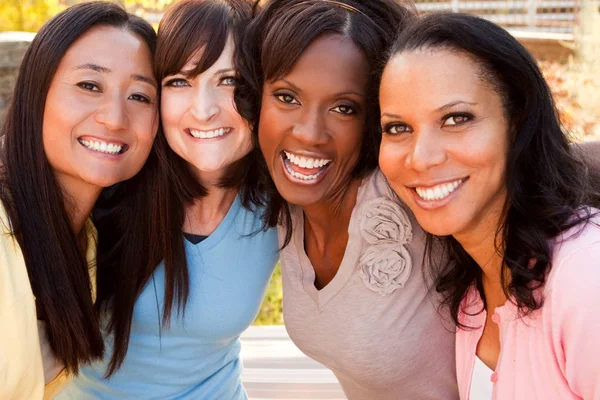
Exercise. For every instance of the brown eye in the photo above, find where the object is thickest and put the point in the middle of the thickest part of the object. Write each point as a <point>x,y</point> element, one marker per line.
<point>344,109</point>
<point>89,86</point>
<point>398,129</point>
<point>456,120</point>
<point>286,98</point>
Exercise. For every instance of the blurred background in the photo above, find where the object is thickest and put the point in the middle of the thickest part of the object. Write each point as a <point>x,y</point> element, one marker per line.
<point>564,35</point>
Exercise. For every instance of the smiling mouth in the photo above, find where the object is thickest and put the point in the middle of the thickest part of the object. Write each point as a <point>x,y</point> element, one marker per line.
<point>215,133</point>
<point>303,168</point>
<point>438,192</point>
<point>101,146</point>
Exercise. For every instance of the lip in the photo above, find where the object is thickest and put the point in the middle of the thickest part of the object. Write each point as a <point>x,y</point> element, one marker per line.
<point>88,138</point>
<point>435,204</point>
<point>216,138</point>
<point>298,181</point>
<point>304,153</point>
<point>437,182</point>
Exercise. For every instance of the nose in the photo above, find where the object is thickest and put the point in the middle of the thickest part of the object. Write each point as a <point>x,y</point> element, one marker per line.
<point>204,106</point>
<point>113,114</point>
<point>311,128</point>
<point>426,152</point>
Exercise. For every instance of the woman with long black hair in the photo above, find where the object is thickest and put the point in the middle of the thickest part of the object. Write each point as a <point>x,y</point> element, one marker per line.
<point>476,150</point>
<point>83,117</point>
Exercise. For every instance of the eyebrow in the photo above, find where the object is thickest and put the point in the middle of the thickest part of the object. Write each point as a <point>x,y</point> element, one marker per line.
<point>94,67</point>
<point>104,70</point>
<point>224,70</point>
<point>454,103</point>
<point>390,115</point>
<point>442,108</point>
<point>297,89</point>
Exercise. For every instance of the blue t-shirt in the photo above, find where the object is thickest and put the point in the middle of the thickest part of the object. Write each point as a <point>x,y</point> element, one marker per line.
<point>198,356</point>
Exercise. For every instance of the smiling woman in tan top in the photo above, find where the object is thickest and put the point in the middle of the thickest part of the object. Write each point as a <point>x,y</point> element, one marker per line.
<point>354,295</point>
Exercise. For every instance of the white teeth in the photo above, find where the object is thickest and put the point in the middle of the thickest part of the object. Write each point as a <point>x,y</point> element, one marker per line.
<point>102,147</point>
<point>209,134</point>
<point>299,175</point>
<point>438,192</point>
<point>306,162</point>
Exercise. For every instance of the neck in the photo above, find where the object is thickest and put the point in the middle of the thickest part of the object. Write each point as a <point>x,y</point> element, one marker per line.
<point>482,245</point>
<point>330,218</point>
<point>204,215</point>
<point>209,179</point>
<point>79,200</point>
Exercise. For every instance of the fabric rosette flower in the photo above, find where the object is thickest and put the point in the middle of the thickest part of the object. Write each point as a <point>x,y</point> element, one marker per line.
<point>385,267</point>
<point>382,220</point>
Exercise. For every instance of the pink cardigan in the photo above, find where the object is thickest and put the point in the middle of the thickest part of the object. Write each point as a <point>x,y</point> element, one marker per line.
<point>554,353</point>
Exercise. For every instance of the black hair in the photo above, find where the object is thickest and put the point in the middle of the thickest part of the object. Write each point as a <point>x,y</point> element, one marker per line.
<point>278,35</point>
<point>33,198</point>
<point>548,187</point>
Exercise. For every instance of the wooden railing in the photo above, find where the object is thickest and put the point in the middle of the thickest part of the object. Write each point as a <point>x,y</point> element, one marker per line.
<point>535,16</point>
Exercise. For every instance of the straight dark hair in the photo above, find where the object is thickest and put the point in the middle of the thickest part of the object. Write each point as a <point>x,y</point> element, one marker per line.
<point>548,187</point>
<point>148,211</point>
<point>34,201</point>
<point>279,34</point>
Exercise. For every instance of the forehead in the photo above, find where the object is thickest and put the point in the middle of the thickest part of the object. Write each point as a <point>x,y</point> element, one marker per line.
<point>423,77</point>
<point>109,47</point>
<point>331,63</point>
<point>225,60</point>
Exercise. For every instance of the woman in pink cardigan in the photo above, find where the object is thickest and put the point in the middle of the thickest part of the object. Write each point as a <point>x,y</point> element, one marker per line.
<point>473,145</point>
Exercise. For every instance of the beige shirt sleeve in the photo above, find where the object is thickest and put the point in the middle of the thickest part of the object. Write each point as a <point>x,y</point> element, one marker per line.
<point>21,371</point>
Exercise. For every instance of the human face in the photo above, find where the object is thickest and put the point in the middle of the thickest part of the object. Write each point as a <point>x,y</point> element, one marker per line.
<point>100,116</point>
<point>312,120</point>
<point>445,141</point>
<point>199,117</point>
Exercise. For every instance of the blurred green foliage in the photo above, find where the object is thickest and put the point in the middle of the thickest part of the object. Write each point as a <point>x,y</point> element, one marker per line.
<point>271,309</point>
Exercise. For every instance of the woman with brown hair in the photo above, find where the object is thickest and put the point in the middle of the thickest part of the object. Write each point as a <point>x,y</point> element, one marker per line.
<point>183,261</point>
<point>83,117</point>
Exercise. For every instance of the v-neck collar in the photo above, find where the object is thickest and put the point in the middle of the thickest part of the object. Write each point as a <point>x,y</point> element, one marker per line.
<point>347,267</point>
<point>221,230</point>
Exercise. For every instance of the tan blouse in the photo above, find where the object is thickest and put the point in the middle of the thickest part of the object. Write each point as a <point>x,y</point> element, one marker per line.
<point>376,324</point>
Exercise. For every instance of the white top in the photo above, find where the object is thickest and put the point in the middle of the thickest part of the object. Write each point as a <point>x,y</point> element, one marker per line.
<point>481,382</point>
<point>375,325</point>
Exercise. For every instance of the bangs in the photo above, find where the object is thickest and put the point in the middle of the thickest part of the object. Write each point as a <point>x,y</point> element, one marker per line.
<point>191,30</point>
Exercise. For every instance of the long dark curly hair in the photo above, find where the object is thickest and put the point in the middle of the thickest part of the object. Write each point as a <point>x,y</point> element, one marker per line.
<point>278,35</point>
<point>547,185</point>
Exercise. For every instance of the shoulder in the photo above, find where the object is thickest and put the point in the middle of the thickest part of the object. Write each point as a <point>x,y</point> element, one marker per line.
<point>375,185</point>
<point>575,275</point>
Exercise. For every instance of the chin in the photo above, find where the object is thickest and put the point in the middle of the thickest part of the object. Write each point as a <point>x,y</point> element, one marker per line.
<point>104,181</point>
<point>436,226</point>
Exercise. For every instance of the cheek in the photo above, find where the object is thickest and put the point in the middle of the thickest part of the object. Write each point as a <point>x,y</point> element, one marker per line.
<point>267,130</point>
<point>171,110</point>
<point>391,160</point>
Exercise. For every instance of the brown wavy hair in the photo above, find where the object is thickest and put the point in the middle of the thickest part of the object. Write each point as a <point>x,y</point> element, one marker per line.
<point>148,211</point>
